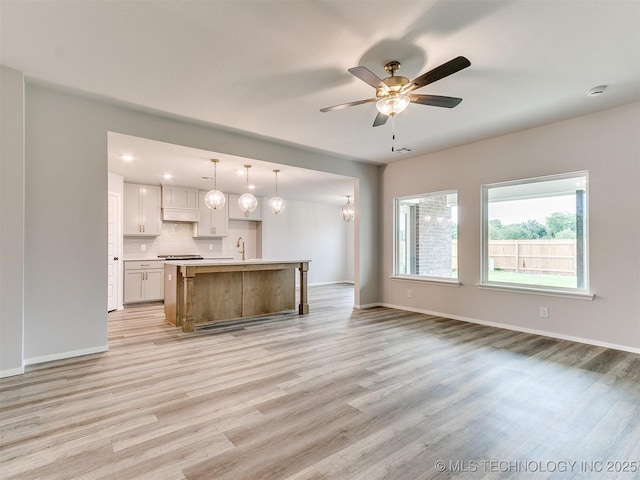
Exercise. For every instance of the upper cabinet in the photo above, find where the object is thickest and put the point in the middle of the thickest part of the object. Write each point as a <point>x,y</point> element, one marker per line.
<point>141,208</point>
<point>212,223</point>
<point>236,214</point>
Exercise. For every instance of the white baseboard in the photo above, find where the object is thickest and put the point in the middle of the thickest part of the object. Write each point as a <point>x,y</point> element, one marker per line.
<point>369,305</point>
<point>338,282</point>
<point>11,372</point>
<point>559,336</point>
<point>65,355</point>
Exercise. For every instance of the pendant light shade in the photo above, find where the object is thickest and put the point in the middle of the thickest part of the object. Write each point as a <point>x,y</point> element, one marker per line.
<point>348,211</point>
<point>214,199</point>
<point>247,202</point>
<point>276,203</point>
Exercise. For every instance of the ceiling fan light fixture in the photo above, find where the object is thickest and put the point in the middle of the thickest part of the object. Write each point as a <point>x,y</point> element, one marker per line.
<point>214,199</point>
<point>393,103</point>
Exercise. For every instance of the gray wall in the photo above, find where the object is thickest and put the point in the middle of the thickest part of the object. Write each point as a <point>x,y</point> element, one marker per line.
<point>11,220</point>
<point>65,225</point>
<point>607,144</point>
<point>64,203</point>
<point>65,217</point>
<point>312,231</point>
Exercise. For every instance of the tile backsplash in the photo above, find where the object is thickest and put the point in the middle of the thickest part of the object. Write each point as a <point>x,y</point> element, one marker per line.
<point>177,239</point>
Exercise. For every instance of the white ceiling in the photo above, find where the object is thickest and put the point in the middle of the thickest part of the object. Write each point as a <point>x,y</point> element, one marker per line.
<point>153,159</point>
<point>267,67</point>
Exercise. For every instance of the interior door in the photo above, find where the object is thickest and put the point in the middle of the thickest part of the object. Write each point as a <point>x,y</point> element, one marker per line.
<point>113,253</point>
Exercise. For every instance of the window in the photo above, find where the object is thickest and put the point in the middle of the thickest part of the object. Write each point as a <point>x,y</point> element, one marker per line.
<point>425,236</point>
<point>535,233</point>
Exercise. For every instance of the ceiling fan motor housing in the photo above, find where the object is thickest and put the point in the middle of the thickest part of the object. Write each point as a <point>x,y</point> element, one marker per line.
<point>393,84</point>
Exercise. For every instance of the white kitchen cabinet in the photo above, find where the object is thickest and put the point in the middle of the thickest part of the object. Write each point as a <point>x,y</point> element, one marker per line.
<point>212,223</point>
<point>236,214</point>
<point>141,208</point>
<point>179,197</point>
<point>143,281</point>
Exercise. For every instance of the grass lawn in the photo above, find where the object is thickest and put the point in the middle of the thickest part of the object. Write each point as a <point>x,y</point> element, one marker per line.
<point>533,279</point>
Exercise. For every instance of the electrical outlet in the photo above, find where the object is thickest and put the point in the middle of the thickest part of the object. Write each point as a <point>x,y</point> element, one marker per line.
<point>409,293</point>
<point>211,246</point>
<point>143,247</point>
<point>544,312</point>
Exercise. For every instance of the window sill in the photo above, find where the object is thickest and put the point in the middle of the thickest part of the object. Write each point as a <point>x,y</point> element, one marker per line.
<point>537,291</point>
<point>440,281</point>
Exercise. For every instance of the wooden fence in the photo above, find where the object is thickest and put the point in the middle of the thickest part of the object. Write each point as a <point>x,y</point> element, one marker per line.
<point>534,256</point>
<point>529,256</point>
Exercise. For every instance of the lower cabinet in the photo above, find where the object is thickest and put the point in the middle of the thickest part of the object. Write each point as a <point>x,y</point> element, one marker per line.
<point>143,281</point>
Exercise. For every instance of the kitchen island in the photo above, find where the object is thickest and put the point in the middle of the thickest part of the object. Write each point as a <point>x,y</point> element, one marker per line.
<point>204,291</point>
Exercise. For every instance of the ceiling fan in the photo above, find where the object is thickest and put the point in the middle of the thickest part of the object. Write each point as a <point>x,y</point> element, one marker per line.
<point>393,93</point>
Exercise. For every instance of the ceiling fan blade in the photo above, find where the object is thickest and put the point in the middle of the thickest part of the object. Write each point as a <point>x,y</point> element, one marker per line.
<point>444,70</point>
<point>367,76</point>
<point>380,119</point>
<point>350,104</point>
<point>435,100</point>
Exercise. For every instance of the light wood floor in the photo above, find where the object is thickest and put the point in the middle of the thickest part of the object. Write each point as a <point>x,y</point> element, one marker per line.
<point>372,394</point>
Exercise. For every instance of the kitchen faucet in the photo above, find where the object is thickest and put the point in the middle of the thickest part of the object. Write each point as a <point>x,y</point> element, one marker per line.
<point>240,239</point>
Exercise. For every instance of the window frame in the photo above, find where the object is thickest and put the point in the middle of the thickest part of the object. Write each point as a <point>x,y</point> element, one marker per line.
<point>395,243</point>
<point>573,292</point>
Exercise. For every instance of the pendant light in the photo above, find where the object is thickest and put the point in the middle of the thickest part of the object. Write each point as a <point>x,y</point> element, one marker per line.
<point>215,199</point>
<point>276,203</point>
<point>247,202</point>
<point>348,211</point>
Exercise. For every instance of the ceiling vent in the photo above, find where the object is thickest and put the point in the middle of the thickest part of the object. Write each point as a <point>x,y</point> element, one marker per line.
<point>596,91</point>
<point>402,150</point>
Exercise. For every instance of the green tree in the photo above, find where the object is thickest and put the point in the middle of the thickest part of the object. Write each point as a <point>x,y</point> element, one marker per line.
<point>568,234</point>
<point>531,229</point>
<point>560,222</point>
<point>535,229</point>
<point>496,230</point>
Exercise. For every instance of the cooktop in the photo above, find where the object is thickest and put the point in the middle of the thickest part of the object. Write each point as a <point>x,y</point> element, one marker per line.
<point>181,257</point>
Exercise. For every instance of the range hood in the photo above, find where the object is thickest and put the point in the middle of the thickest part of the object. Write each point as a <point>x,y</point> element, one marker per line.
<point>180,204</point>
<point>180,215</point>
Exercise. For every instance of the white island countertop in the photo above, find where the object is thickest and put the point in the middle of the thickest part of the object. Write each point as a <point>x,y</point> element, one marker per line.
<point>212,262</point>
<point>142,258</point>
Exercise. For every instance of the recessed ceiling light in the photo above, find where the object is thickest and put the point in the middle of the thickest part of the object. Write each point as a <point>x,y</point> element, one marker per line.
<point>167,176</point>
<point>126,157</point>
<point>240,172</point>
<point>596,91</point>
<point>252,187</point>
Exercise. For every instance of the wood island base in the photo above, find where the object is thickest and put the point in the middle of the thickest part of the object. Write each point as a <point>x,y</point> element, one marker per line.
<point>199,292</point>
